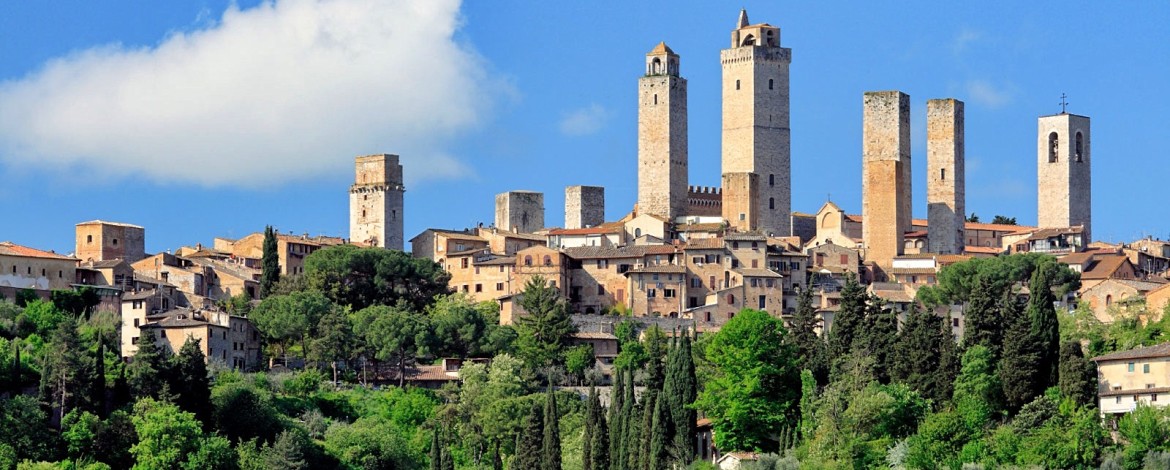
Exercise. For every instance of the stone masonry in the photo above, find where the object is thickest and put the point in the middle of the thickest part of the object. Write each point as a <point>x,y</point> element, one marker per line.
<point>756,133</point>
<point>98,240</point>
<point>520,211</point>
<point>740,206</point>
<point>946,174</point>
<point>584,206</point>
<point>375,202</point>
<point>885,193</point>
<point>662,136</point>
<point>1063,169</point>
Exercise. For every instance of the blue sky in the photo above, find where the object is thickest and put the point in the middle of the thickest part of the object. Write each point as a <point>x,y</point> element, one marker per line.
<point>204,119</point>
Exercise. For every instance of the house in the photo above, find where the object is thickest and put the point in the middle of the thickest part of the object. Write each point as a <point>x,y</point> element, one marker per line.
<point>1133,377</point>
<point>22,267</point>
<point>1118,295</point>
<point>229,339</point>
<point>736,460</point>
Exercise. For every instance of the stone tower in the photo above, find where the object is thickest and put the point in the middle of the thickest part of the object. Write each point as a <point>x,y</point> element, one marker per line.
<point>98,240</point>
<point>662,136</point>
<point>756,136</point>
<point>946,173</point>
<point>885,175</point>
<point>520,211</point>
<point>584,206</point>
<point>1065,181</point>
<point>375,202</point>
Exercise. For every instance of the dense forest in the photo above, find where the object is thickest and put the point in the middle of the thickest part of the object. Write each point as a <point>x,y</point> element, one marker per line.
<point>881,390</point>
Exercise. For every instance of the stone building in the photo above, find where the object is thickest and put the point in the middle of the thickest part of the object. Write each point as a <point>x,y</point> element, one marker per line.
<point>229,339</point>
<point>756,134</point>
<point>1130,378</point>
<point>98,240</point>
<point>376,202</point>
<point>945,175</point>
<point>662,136</point>
<point>885,185</point>
<point>291,249</point>
<point>520,211</point>
<point>22,267</point>
<point>1064,174</point>
<point>584,206</point>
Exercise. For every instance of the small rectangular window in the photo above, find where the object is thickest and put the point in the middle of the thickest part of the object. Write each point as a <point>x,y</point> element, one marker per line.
<point>1145,368</point>
<point>1129,367</point>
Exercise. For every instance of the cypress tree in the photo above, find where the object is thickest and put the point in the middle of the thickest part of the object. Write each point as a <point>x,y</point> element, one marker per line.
<point>587,438</point>
<point>1044,325</point>
<point>810,349</point>
<point>684,390</point>
<point>633,435</point>
<point>646,430</point>
<point>983,325</point>
<point>617,396</point>
<point>270,263</point>
<point>529,442</point>
<point>497,461</point>
<point>17,367</point>
<point>146,369</point>
<point>658,458</point>
<point>436,451</point>
<point>1078,375</point>
<point>98,389</point>
<point>880,337</point>
<point>850,319</point>
<point>1019,368</point>
<point>918,351</point>
<point>448,462</point>
<point>551,445</point>
<point>949,363</point>
<point>599,440</point>
<point>121,393</point>
<point>191,381</point>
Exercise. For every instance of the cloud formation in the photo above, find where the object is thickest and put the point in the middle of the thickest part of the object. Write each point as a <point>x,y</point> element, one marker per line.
<point>283,91</point>
<point>584,121</point>
<point>987,94</point>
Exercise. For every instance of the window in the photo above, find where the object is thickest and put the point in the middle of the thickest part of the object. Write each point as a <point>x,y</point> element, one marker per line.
<point>528,261</point>
<point>651,293</point>
<point>1053,147</point>
<point>771,180</point>
<point>656,98</point>
<point>755,282</point>
<point>668,293</point>
<point>115,242</point>
<point>730,299</point>
<point>737,84</point>
<point>655,276</point>
<point>479,287</point>
<point>602,263</point>
<point>1108,302</point>
<point>1079,148</point>
<point>755,263</point>
<point>136,322</point>
<point>600,289</point>
<point>771,203</point>
<point>1129,367</point>
<point>499,286</point>
<point>1118,399</point>
<point>706,316</point>
<point>769,83</point>
<point>769,283</point>
<point>1153,397</point>
<point>845,259</point>
<point>735,245</point>
<point>763,301</point>
<point>711,282</point>
<point>621,295</point>
<point>1145,368</point>
<point>463,263</point>
<point>696,282</point>
<point>943,174</point>
<point>501,268</point>
<point>134,339</point>
<point>89,239</point>
<point>954,322</point>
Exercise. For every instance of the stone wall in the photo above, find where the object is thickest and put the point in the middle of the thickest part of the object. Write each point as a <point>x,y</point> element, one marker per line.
<point>98,241</point>
<point>945,175</point>
<point>740,205</point>
<point>376,202</point>
<point>1064,173</point>
<point>662,142</point>
<point>520,211</point>
<point>885,200</point>
<point>584,206</point>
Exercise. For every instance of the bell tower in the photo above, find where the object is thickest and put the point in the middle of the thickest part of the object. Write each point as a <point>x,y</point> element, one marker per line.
<point>756,134</point>
<point>662,136</point>
<point>1065,183</point>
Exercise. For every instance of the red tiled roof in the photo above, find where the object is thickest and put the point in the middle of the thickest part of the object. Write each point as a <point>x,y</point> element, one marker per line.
<point>12,249</point>
<point>1159,350</point>
<point>585,231</point>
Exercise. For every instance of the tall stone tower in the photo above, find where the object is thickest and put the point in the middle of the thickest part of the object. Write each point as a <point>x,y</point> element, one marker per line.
<point>375,202</point>
<point>756,136</point>
<point>946,173</point>
<point>885,175</point>
<point>520,211</point>
<point>584,206</point>
<point>1065,180</point>
<point>662,136</point>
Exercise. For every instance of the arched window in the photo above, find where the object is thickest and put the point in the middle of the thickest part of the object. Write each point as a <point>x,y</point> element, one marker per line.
<point>769,83</point>
<point>1053,147</point>
<point>1108,300</point>
<point>655,66</point>
<point>750,40</point>
<point>637,232</point>
<point>730,299</point>
<point>547,260</point>
<point>771,203</point>
<point>115,242</point>
<point>737,84</point>
<point>1080,147</point>
<point>528,260</point>
<point>771,180</point>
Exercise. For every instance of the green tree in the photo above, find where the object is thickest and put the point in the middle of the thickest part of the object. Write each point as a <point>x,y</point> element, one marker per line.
<point>659,457</point>
<point>148,368</point>
<point>171,438</point>
<point>753,394</point>
<point>579,359</point>
<point>239,304</point>
<point>191,381</point>
<point>243,412</point>
<point>808,399</point>
<point>68,376</point>
<point>918,352</point>
<point>681,391</point>
<point>1003,220</point>
<point>79,303</point>
<point>97,388</point>
<point>983,323</point>
<point>40,317</point>
<point>616,417</point>
<point>1045,327</point>
<point>656,349</point>
<point>544,326</point>
<point>436,455</point>
<point>269,263</point>
<point>639,432</point>
<point>597,430</point>
<point>463,328</point>
<point>550,455</point>
<point>24,426</point>
<point>372,442</point>
<point>360,277</point>
<point>1078,375</point>
<point>395,334</point>
<point>977,389</point>
<point>1019,368</point>
<point>879,338</point>
<point>810,349</point>
<point>287,319</point>
<point>850,318</point>
<point>529,443</point>
<point>973,218</point>
<point>1144,429</point>
<point>334,342</point>
<point>587,433</point>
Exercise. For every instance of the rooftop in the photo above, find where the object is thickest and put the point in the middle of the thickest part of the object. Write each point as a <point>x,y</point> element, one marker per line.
<point>12,249</point>
<point>115,224</point>
<point>1148,352</point>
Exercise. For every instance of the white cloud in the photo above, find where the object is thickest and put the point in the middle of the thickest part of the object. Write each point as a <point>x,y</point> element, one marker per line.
<point>964,39</point>
<point>283,91</point>
<point>987,94</point>
<point>584,121</point>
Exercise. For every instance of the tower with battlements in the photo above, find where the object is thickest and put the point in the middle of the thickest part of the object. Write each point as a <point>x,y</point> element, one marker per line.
<point>662,136</point>
<point>945,176</point>
<point>756,135</point>
<point>1065,181</point>
<point>375,202</point>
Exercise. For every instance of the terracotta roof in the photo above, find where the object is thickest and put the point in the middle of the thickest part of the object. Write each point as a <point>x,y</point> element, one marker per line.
<point>105,264</point>
<point>704,244</point>
<point>745,236</point>
<point>426,374</point>
<point>1046,233</point>
<point>593,335</point>
<point>988,250</point>
<point>756,272</point>
<point>497,261</point>
<point>1076,258</point>
<point>966,225</point>
<point>12,249</point>
<point>661,249</point>
<point>140,295</point>
<point>1148,352</point>
<point>703,227</point>
<point>465,252</point>
<point>602,230</point>
<point>459,236</point>
<point>1136,391</point>
<point>913,270</point>
<point>660,49</point>
<point>1104,267</point>
<point>915,234</point>
<point>898,296</point>
<point>102,222</point>
<point>951,259</point>
<point>662,268</point>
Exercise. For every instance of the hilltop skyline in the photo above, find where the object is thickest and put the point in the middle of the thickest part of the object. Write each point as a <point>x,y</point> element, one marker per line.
<point>496,90</point>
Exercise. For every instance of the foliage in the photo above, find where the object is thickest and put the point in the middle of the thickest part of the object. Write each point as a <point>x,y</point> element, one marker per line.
<point>269,263</point>
<point>529,444</point>
<point>919,353</point>
<point>578,359</point>
<point>550,448</point>
<point>393,334</point>
<point>286,319</point>
<point>849,320</point>
<point>957,282</point>
<point>810,349</point>
<point>191,381</point>
<point>1019,370</point>
<point>24,428</point>
<point>361,277</point>
<point>1044,325</point>
<point>1003,220</point>
<point>544,327</point>
<point>680,393</point>
<point>171,438</point>
<point>244,411</point>
<point>977,389</point>
<point>463,328</point>
<point>40,317</point>
<point>754,392</point>
<point>1078,375</point>
<point>372,442</point>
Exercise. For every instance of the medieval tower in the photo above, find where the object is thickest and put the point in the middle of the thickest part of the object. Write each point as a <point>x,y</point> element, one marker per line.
<point>1063,164</point>
<point>885,175</point>
<point>584,206</point>
<point>520,211</point>
<point>945,176</point>
<point>756,136</point>
<point>375,202</point>
<point>662,136</point>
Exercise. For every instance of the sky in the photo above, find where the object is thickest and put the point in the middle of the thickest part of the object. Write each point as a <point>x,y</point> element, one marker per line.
<point>210,118</point>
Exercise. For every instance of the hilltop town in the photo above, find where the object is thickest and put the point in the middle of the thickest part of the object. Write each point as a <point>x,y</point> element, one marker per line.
<point>685,260</point>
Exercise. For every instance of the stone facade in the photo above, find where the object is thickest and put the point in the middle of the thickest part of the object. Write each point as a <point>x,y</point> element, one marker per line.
<point>756,133</point>
<point>885,185</point>
<point>22,267</point>
<point>1064,178</point>
<point>704,201</point>
<point>662,136</point>
<point>946,174</point>
<point>520,211</point>
<point>375,202</point>
<point>584,206</point>
<point>740,205</point>
<point>99,240</point>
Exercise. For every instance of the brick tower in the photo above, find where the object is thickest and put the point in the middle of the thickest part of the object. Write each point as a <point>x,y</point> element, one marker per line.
<point>1065,180</point>
<point>662,136</point>
<point>756,136</point>
<point>375,202</point>
<point>885,175</point>
<point>946,173</point>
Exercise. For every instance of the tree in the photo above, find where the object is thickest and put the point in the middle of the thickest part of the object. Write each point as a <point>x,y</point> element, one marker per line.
<point>808,398</point>
<point>97,388</point>
<point>395,334</point>
<point>1019,368</point>
<point>1078,375</point>
<point>984,326</point>
<point>1003,220</point>
<point>579,359</point>
<point>287,319</point>
<point>753,394</point>
<point>79,303</point>
<point>880,337</point>
<point>681,390</point>
<point>977,389</point>
<point>68,375</point>
<point>269,263</point>
<point>656,348</point>
<point>598,443</point>
<point>334,341</point>
<point>529,443</point>
<point>148,368</point>
<point>616,417</point>
<point>973,218</point>
<point>243,412</point>
<point>436,450</point>
<point>191,381</point>
<point>918,353</point>
<point>550,455</point>
<point>810,349</point>
<point>287,452</point>
<point>360,277</point>
<point>1045,326</point>
<point>545,326</point>
<point>850,319</point>
<point>24,426</point>
<point>40,317</point>
<point>171,438</point>
<point>590,424</point>
<point>659,458</point>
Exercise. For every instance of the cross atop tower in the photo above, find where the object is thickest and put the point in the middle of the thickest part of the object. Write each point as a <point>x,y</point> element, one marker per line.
<point>1063,104</point>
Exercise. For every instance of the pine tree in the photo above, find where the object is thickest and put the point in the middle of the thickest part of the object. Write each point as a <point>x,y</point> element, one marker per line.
<point>1078,375</point>
<point>67,372</point>
<point>1019,367</point>
<point>448,461</point>
<point>918,352</point>
<point>146,368</point>
<point>191,381</point>
<point>984,325</point>
<point>880,337</point>
<point>529,452</point>
<point>1044,324</point>
<point>659,458</point>
<point>551,445</point>
<point>849,321</point>
<point>287,452</point>
<point>599,440</point>
<point>810,349</point>
<point>270,263</point>
<point>436,454</point>
<point>590,424</point>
